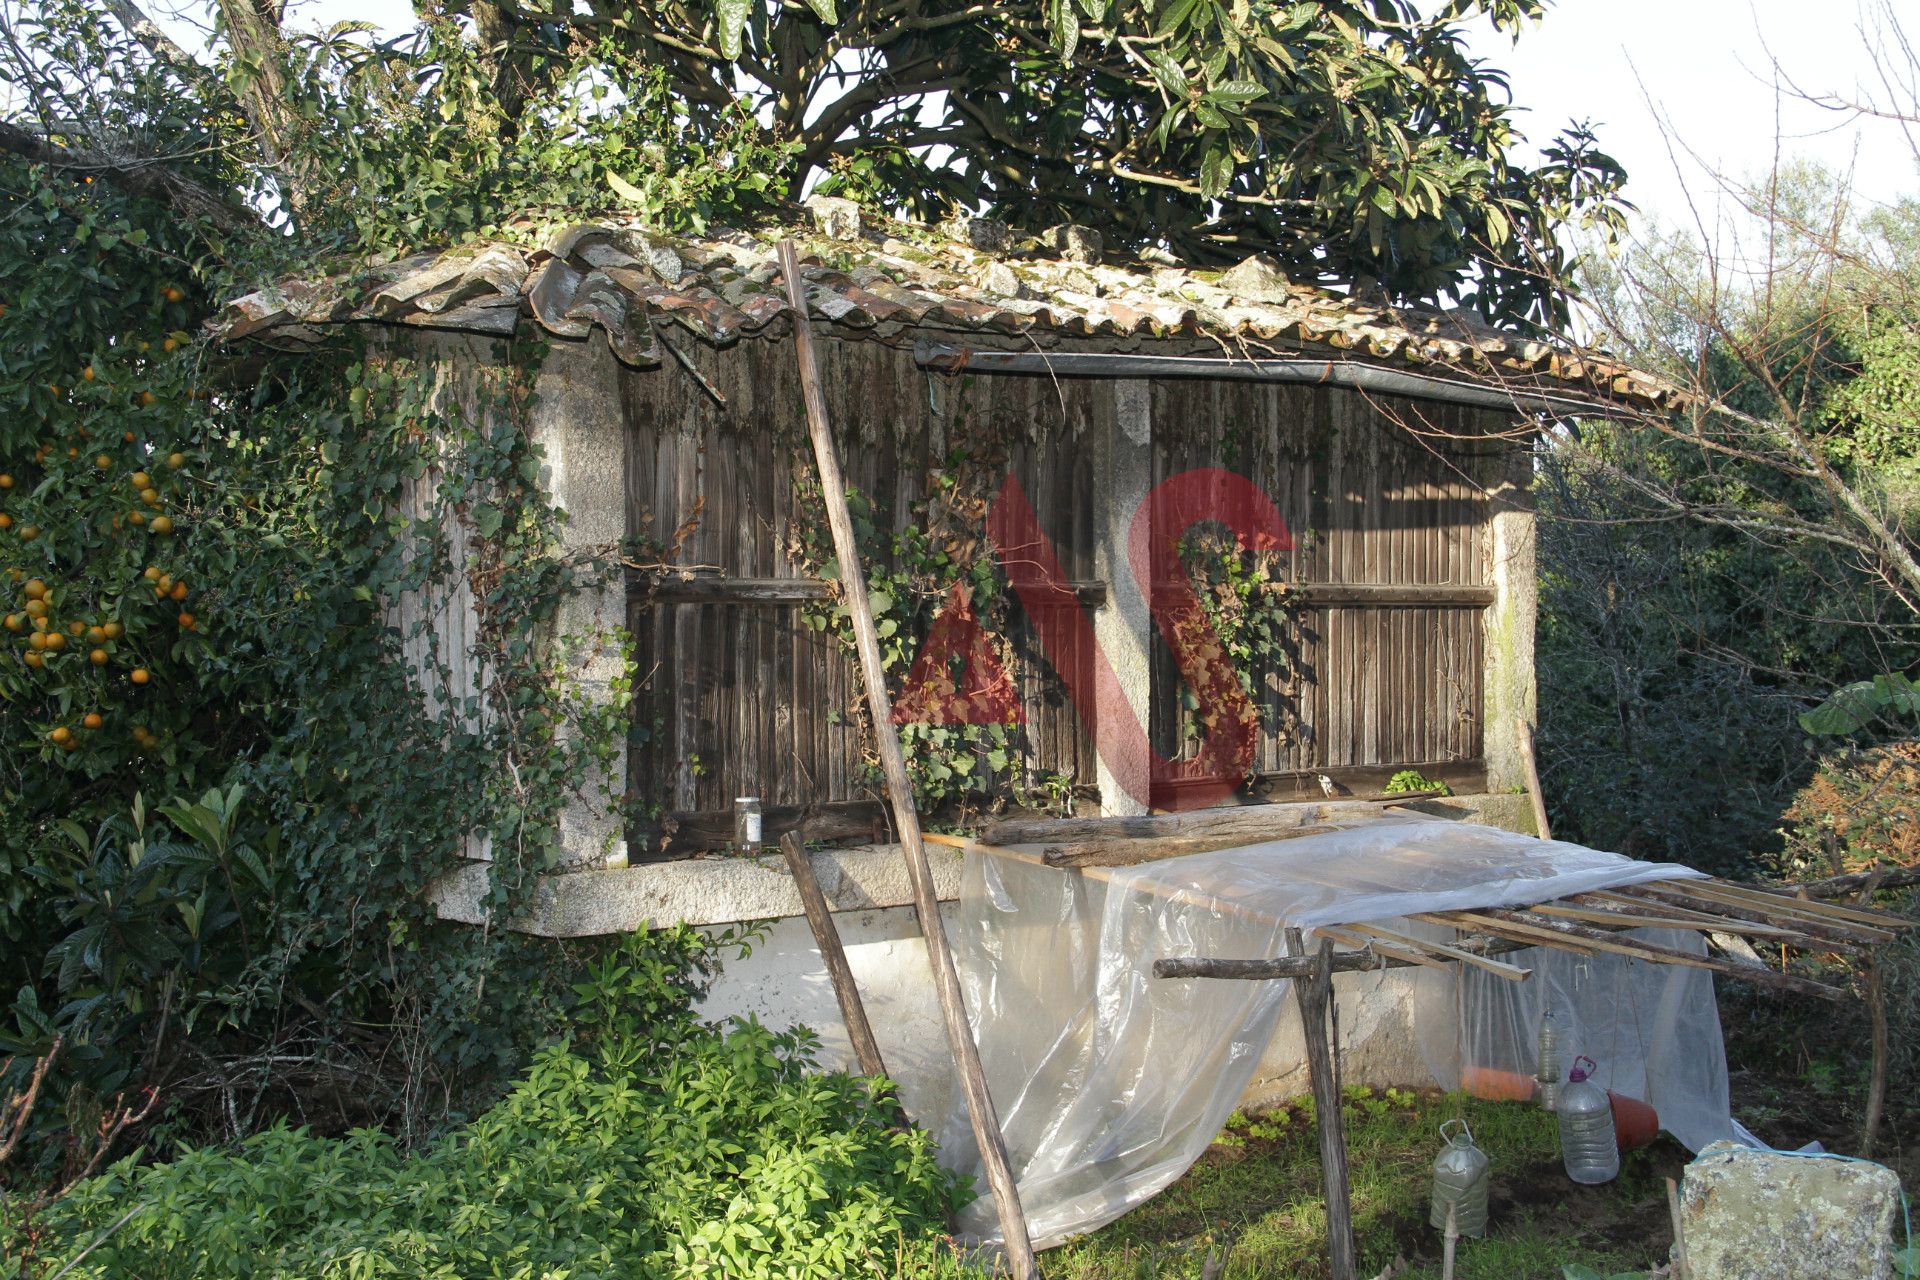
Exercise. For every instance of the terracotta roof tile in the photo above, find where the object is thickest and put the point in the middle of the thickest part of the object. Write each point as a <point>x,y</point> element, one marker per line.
<point>623,280</point>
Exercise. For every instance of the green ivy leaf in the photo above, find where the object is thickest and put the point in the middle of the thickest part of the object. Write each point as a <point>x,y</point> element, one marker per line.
<point>487,519</point>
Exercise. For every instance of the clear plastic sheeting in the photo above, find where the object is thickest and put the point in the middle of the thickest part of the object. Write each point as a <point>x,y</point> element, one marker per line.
<point>1110,1082</point>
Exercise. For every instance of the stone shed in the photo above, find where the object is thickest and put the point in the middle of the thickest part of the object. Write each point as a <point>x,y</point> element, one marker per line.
<point>961,367</point>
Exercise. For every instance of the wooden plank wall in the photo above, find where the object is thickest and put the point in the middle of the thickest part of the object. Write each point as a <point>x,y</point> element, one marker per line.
<point>740,697</point>
<point>1370,504</point>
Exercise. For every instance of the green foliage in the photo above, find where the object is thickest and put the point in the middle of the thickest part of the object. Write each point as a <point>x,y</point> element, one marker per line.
<point>651,1145</point>
<point>1253,1207</point>
<point>1249,609</point>
<point>1413,780</point>
<point>405,145</point>
<point>1855,706</point>
<point>1351,141</point>
<point>219,550</point>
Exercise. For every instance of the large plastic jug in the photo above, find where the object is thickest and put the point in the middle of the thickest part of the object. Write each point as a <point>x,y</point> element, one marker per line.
<point>1587,1145</point>
<point>1460,1179</point>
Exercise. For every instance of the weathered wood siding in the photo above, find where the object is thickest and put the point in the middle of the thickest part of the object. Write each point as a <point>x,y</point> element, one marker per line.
<point>1372,506</point>
<point>740,697</point>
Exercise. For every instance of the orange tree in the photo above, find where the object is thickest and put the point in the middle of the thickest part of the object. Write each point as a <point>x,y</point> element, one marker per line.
<point>221,792</point>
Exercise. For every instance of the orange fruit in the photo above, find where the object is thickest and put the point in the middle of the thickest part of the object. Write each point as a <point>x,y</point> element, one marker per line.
<point>147,398</point>
<point>162,525</point>
<point>170,344</point>
<point>150,496</point>
<point>141,675</point>
<point>34,589</point>
<point>172,293</point>
<point>56,641</point>
<point>28,532</point>
<point>114,630</point>
<point>186,620</point>
<point>36,608</point>
<point>175,461</point>
<point>73,451</point>
<point>15,622</point>
<point>140,480</point>
<point>98,657</point>
<point>61,735</point>
<point>35,661</point>
<point>102,461</point>
<point>39,624</point>
<point>92,720</point>
<point>128,436</point>
<point>75,628</point>
<point>138,517</point>
<point>96,634</point>
<point>38,640</point>
<point>163,586</point>
<point>6,521</point>
<point>151,573</point>
<point>179,591</point>
<point>6,481</point>
<point>86,374</point>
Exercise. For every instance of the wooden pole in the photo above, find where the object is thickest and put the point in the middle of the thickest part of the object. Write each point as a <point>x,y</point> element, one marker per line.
<point>866,1049</point>
<point>1527,761</point>
<point>846,550</point>
<point>1315,995</point>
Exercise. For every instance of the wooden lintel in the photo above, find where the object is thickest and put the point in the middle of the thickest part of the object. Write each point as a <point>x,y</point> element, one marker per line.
<point>670,587</point>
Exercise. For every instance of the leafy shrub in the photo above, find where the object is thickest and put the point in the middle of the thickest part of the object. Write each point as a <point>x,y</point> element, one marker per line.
<point>647,1145</point>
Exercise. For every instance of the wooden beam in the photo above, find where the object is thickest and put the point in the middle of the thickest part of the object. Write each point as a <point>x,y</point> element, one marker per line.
<point>691,831</point>
<point>1133,852</point>
<point>1784,900</point>
<point>1252,821</point>
<point>866,1049</point>
<point>1278,967</point>
<point>1315,997</point>
<point>1382,595</point>
<point>1548,932</point>
<point>973,1081</point>
<point>1678,893</point>
<point>1499,969</point>
<point>666,586</point>
<point>1369,781</point>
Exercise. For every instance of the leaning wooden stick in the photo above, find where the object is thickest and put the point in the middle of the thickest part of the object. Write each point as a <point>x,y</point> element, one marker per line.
<point>846,550</point>
<point>866,1049</point>
<point>1525,733</point>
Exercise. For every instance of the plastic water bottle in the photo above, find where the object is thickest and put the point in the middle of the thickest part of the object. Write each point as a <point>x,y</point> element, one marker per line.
<point>1460,1179</point>
<point>1587,1144</point>
<point>1548,1070</point>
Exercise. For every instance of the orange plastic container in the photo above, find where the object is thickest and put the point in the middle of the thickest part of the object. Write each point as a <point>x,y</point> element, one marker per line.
<point>1635,1124</point>
<point>1497,1086</point>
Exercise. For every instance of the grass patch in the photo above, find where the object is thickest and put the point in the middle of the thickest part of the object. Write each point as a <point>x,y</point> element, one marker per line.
<point>1257,1196</point>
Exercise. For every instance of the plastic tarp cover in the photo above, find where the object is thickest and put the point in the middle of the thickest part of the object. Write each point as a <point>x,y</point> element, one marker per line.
<point>1110,1082</point>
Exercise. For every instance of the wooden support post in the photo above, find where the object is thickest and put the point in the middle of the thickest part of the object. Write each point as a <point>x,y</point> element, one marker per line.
<point>820,918</point>
<point>1532,766</point>
<point>1315,996</point>
<point>926,902</point>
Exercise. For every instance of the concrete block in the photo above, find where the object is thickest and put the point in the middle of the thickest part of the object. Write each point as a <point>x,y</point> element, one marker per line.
<point>1762,1215</point>
<point>836,218</point>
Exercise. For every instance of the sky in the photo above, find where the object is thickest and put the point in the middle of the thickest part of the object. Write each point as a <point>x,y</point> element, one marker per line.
<point>1679,91</point>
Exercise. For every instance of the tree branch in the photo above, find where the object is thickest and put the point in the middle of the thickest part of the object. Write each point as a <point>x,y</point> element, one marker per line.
<point>152,179</point>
